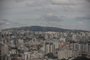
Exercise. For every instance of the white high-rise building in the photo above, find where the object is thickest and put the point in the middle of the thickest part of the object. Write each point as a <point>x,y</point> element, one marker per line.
<point>89,50</point>
<point>27,56</point>
<point>65,54</point>
<point>49,47</point>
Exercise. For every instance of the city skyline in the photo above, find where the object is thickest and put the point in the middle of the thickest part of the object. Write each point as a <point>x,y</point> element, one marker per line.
<point>16,44</point>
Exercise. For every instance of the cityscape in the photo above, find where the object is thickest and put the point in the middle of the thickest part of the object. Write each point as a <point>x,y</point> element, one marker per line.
<point>25,44</point>
<point>44,29</point>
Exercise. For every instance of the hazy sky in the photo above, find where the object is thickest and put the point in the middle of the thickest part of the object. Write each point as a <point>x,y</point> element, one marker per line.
<point>68,14</point>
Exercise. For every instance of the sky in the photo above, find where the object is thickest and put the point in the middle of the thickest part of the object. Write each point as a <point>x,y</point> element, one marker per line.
<point>68,14</point>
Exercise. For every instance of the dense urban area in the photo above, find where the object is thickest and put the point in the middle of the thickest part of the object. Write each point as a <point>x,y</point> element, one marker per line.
<point>38,45</point>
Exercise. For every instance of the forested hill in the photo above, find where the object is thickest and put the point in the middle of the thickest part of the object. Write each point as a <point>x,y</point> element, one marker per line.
<point>44,29</point>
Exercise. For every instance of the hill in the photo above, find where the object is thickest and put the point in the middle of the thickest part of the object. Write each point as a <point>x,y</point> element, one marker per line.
<point>44,29</point>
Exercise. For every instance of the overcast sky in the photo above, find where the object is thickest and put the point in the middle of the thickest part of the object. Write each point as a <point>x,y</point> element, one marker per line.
<point>68,14</point>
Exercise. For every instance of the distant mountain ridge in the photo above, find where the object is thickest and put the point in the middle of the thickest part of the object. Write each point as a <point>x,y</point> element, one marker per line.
<point>44,29</point>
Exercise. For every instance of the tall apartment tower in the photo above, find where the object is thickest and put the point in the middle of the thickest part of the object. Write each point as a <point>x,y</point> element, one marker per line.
<point>4,52</point>
<point>49,47</point>
<point>27,56</point>
<point>88,49</point>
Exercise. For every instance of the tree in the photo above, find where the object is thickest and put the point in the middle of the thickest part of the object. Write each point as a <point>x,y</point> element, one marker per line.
<point>83,57</point>
<point>51,55</point>
<point>63,59</point>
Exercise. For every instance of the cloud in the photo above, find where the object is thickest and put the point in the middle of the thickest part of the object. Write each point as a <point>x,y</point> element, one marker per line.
<point>88,0</point>
<point>5,23</point>
<point>67,2</point>
<point>60,1</point>
<point>58,13</point>
<point>87,18</point>
<point>51,17</point>
<point>18,1</point>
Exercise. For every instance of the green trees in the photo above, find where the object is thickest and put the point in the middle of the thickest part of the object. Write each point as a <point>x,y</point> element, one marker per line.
<point>51,55</point>
<point>82,57</point>
<point>63,59</point>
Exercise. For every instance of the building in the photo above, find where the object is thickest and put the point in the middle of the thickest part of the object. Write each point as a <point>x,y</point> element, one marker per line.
<point>65,54</point>
<point>4,52</point>
<point>49,47</point>
<point>27,56</point>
